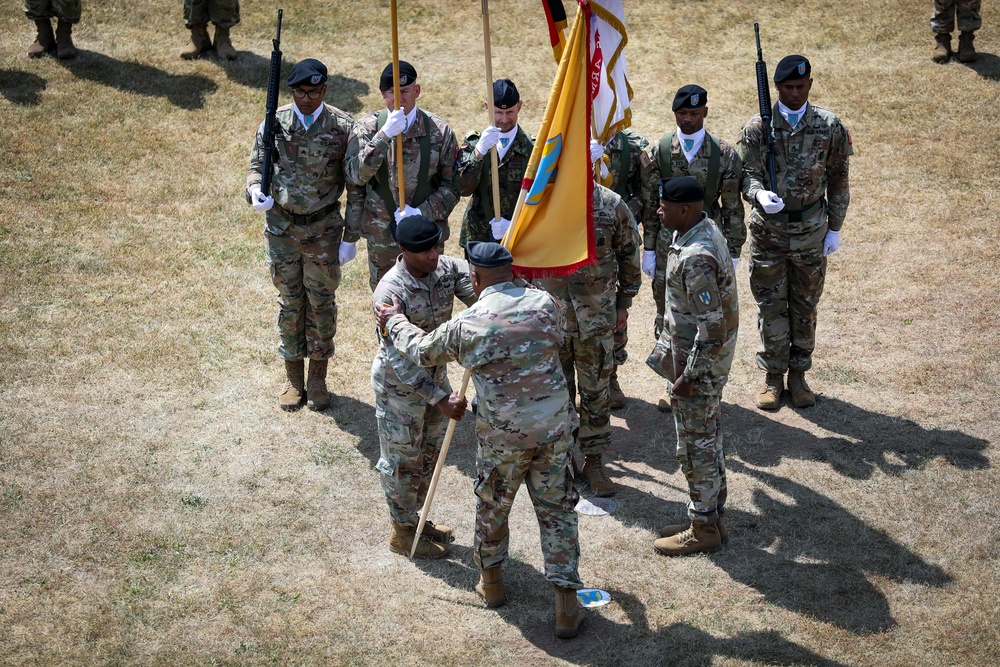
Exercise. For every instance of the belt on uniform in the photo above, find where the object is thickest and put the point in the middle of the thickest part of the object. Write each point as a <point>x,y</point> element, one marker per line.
<point>309,218</point>
<point>796,216</point>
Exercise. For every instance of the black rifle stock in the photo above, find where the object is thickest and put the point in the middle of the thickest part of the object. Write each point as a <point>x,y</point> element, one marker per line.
<point>764,98</point>
<point>269,113</point>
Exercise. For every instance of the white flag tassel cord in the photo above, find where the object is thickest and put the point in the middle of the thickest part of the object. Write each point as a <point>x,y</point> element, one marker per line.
<point>612,95</point>
<point>396,101</point>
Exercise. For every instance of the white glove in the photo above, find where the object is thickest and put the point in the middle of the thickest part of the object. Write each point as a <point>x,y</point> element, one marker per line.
<point>649,262</point>
<point>596,150</point>
<point>394,124</point>
<point>500,227</point>
<point>487,140</point>
<point>406,212</point>
<point>770,202</point>
<point>831,242</point>
<point>259,201</point>
<point>347,252</point>
<point>736,261</point>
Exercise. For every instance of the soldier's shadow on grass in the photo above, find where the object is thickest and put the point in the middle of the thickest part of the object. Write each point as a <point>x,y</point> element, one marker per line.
<point>187,91</point>
<point>987,65</point>
<point>21,88</point>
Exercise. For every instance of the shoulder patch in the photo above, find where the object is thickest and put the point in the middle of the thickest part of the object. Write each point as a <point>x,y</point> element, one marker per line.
<point>644,159</point>
<point>705,298</point>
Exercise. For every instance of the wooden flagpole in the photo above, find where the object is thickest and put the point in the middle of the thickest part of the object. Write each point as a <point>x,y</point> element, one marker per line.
<point>400,171</point>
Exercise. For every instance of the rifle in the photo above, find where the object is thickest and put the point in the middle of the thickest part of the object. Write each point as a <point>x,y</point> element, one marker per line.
<point>270,110</point>
<point>764,98</point>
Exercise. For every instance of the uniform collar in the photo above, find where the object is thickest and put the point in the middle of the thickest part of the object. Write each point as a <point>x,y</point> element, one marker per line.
<point>679,243</point>
<point>316,114</point>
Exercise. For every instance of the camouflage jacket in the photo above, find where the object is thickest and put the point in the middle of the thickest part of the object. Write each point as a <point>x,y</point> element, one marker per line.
<point>590,295</point>
<point>368,149</point>
<point>308,169</point>
<point>626,180</point>
<point>811,163</point>
<point>703,315</point>
<point>474,177</point>
<point>727,209</point>
<point>427,303</point>
<point>510,341</point>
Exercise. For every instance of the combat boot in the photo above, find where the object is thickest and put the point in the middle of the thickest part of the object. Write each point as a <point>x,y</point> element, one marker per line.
<point>401,541</point>
<point>45,42</point>
<point>663,404</point>
<point>293,393</point>
<point>593,470</point>
<point>802,396</point>
<point>699,537</point>
<point>615,389</point>
<point>64,40</point>
<point>569,614</point>
<point>223,46</point>
<point>769,396</point>
<point>440,534</point>
<point>966,51</point>
<point>490,586</point>
<point>319,396</point>
<point>942,52</point>
<point>200,42</point>
<point>675,528</point>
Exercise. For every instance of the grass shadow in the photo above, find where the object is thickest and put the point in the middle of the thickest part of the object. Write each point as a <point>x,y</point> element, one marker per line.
<point>21,88</point>
<point>987,65</point>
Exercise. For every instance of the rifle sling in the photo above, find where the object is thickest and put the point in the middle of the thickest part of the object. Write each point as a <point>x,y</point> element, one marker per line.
<point>624,185</point>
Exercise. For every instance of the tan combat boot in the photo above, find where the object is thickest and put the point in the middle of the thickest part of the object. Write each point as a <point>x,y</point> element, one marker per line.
<point>615,389</point>
<point>319,396</point>
<point>293,393</point>
<point>593,470</point>
<point>490,586</point>
<point>966,51</point>
<point>942,52</point>
<point>200,42</point>
<point>401,541</point>
<point>440,534</point>
<point>663,404</point>
<point>64,40</point>
<point>45,42</point>
<point>223,46</point>
<point>699,537</point>
<point>802,396</point>
<point>569,614</point>
<point>675,528</point>
<point>769,396</point>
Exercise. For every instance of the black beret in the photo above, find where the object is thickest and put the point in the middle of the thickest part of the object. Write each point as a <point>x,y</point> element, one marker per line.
<point>792,68</point>
<point>691,97</point>
<point>505,94</point>
<point>407,75</point>
<point>487,255</point>
<point>681,190</point>
<point>416,233</point>
<point>310,72</point>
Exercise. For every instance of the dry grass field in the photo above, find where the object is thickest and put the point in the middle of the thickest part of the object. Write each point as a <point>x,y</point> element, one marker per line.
<point>157,508</point>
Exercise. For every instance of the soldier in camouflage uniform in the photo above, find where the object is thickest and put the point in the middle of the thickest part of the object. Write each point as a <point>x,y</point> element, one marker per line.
<point>429,149</point>
<point>474,172</point>
<point>306,237</point>
<point>224,14</point>
<point>943,22</point>
<point>795,223</point>
<point>621,159</point>
<point>694,353</point>
<point>510,341</point>
<point>412,403</point>
<point>46,42</point>
<point>595,300</point>
<point>690,150</point>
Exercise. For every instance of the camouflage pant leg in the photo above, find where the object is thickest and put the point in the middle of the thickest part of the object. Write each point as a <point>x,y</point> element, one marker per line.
<point>621,341</point>
<point>305,268</point>
<point>943,18</point>
<point>410,434</point>
<point>223,13</point>
<point>591,361</point>
<point>381,258</point>
<point>806,278</point>
<point>543,469</point>
<point>701,456</point>
<point>769,286</point>
<point>67,10</point>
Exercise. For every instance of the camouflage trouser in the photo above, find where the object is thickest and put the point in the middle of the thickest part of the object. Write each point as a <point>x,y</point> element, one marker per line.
<point>305,267</point>
<point>588,364</point>
<point>943,18</point>
<point>381,258</point>
<point>621,340</point>
<point>544,471</point>
<point>787,274</point>
<point>223,13</point>
<point>410,434</point>
<point>701,456</point>
<point>67,10</point>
